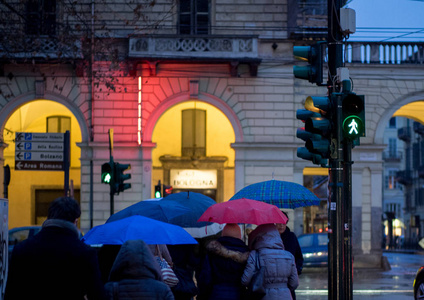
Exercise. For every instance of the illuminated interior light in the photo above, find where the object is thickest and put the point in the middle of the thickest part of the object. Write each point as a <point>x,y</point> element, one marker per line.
<point>139,111</point>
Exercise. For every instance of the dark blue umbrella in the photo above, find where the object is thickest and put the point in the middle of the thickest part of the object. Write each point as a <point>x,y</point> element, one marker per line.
<point>282,194</point>
<point>138,228</point>
<point>197,204</point>
<point>158,210</point>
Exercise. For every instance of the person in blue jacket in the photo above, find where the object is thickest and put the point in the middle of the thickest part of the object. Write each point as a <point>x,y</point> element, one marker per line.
<point>223,266</point>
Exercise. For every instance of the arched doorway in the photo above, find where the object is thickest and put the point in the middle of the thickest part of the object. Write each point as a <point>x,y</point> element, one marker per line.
<point>193,150</point>
<point>31,191</point>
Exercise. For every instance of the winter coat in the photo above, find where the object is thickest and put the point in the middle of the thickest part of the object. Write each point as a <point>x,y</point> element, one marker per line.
<point>222,270</point>
<point>135,274</point>
<point>291,244</point>
<point>54,264</point>
<point>185,262</point>
<point>280,268</point>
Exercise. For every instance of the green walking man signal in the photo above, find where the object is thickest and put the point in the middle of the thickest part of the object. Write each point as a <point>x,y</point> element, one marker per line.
<point>113,175</point>
<point>158,190</point>
<point>353,116</point>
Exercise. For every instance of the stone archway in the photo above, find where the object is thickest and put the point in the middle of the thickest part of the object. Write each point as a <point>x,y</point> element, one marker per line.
<point>25,98</point>
<point>179,162</point>
<point>185,96</point>
<point>390,111</point>
<point>28,188</point>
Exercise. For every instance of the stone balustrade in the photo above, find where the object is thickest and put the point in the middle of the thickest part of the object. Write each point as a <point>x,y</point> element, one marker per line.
<point>391,53</point>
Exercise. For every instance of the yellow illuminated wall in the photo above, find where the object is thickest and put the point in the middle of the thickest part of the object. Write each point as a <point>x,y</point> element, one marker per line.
<point>219,133</point>
<point>31,117</point>
<point>413,110</point>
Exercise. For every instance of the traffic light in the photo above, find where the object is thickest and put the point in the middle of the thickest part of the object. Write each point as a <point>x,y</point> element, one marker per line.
<point>313,55</point>
<point>158,190</point>
<point>318,119</point>
<point>353,116</point>
<point>120,177</point>
<point>108,174</point>
<point>167,190</point>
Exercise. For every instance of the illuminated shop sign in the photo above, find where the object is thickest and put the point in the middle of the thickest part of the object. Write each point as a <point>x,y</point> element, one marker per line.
<point>193,179</point>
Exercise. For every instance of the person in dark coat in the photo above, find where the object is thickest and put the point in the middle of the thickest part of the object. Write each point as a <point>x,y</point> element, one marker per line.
<point>185,263</point>
<point>55,264</point>
<point>135,274</point>
<point>291,244</point>
<point>280,268</point>
<point>107,255</point>
<point>224,265</point>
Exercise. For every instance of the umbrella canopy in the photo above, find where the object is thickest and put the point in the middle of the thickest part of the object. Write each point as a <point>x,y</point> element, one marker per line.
<point>158,210</point>
<point>137,228</point>
<point>244,211</point>
<point>282,194</point>
<point>197,204</point>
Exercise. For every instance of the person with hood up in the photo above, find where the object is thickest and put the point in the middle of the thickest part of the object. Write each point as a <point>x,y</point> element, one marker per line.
<point>135,274</point>
<point>225,262</point>
<point>280,268</point>
<point>291,244</point>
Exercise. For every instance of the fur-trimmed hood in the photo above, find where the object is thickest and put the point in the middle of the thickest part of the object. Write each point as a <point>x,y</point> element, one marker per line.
<point>215,247</point>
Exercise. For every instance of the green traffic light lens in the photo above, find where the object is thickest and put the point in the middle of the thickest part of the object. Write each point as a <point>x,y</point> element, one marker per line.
<point>352,127</point>
<point>106,177</point>
<point>157,194</point>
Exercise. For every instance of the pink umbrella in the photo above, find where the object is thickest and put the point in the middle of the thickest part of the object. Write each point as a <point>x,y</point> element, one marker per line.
<point>245,211</point>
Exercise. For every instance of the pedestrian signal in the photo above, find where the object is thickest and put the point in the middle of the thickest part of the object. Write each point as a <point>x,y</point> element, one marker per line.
<point>353,116</point>
<point>158,190</point>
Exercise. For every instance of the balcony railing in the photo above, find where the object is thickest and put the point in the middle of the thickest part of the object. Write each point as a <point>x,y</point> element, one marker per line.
<point>404,134</point>
<point>389,53</point>
<point>43,47</point>
<point>392,156</point>
<point>174,46</point>
<point>404,177</point>
<point>419,128</point>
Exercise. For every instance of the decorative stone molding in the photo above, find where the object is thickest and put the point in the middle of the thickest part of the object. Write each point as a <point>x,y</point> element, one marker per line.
<point>197,46</point>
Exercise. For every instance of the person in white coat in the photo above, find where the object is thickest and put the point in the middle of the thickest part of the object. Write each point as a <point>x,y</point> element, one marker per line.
<point>280,268</point>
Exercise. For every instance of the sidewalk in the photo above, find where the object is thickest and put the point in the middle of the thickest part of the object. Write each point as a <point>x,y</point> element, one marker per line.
<point>405,251</point>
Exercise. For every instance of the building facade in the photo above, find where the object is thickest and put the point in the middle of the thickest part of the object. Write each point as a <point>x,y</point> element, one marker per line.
<point>200,95</point>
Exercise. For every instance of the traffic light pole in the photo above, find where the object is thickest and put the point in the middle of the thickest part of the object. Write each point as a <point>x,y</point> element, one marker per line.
<point>112,191</point>
<point>340,176</point>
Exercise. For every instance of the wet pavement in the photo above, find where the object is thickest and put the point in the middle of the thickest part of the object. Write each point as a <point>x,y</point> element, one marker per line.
<point>373,284</point>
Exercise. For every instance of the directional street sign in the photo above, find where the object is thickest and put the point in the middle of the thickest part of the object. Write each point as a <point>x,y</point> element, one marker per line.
<point>39,137</point>
<point>39,146</point>
<point>39,151</point>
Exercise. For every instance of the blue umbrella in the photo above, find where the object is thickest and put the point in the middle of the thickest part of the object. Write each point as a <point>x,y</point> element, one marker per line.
<point>282,194</point>
<point>197,204</point>
<point>158,210</point>
<point>137,228</point>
